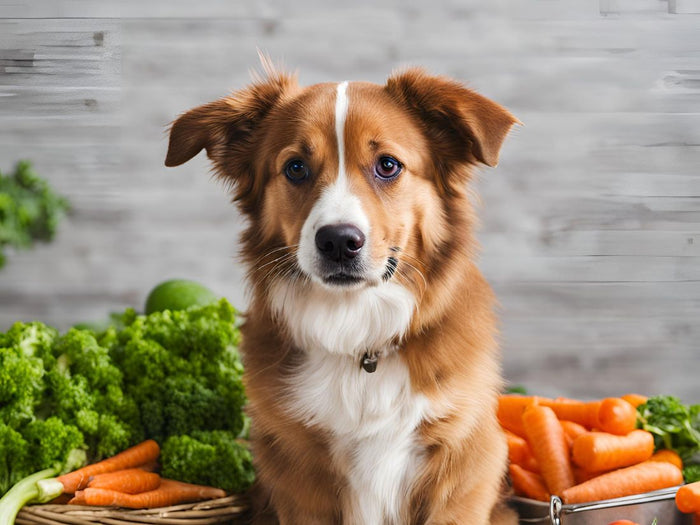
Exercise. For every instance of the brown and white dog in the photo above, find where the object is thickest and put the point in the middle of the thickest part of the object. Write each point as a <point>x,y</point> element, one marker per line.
<point>372,370</point>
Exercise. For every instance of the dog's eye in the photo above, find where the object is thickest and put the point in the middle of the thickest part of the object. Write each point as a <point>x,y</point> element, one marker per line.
<point>387,168</point>
<point>296,170</point>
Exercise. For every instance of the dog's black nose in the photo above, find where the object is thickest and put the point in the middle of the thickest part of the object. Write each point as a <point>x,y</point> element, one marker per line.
<point>339,241</point>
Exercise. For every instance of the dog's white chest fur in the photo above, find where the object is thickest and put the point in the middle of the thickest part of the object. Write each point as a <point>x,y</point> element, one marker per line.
<point>373,421</point>
<point>372,418</point>
<point>340,322</point>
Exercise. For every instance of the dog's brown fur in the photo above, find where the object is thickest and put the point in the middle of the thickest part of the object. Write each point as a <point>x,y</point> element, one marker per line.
<point>441,130</point>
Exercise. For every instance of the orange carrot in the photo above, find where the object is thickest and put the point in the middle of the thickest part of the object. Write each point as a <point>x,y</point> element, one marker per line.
<point>527,483</point>
<point>548,444</point>
<point>170,492</point>
<point>582,412</point>
<point>635,399</point>
<point>530,463</point>
<point>518,448</point>
<point>510,412</point>
<point>581,474</point>
<point>572,431</point>
<point>616,416</point>
<point>669,456</point>
<point>612,414</point>
<point>623,522</point>
<point>637,479</point>
<point>129,481</point>
<point>140,454</point>
<point>597,451</point>
<point>519,453</point>
<point>151,466</point>
<point>688,497</point>
<point>78,498</point>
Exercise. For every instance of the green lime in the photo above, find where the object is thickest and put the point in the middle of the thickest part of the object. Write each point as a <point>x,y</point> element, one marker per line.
<point>178,294</point>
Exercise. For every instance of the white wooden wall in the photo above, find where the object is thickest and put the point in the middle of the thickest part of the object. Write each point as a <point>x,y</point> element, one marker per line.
<point>590,225</point>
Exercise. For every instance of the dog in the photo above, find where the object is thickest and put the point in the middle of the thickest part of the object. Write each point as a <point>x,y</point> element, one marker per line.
<point>371,363</point>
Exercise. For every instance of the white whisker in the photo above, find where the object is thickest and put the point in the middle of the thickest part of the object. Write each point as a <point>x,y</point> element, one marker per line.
<point>267,254</point>
<point>420,274</point>
<point>285,256</point>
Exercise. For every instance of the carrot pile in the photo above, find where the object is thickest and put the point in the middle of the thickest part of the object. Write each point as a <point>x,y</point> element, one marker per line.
<point>585,450</point>
<point>126,480</point>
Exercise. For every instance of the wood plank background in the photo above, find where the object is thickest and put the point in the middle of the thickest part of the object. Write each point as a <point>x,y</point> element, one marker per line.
<point>590,225</point>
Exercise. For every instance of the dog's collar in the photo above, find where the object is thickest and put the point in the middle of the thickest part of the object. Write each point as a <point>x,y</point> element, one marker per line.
<point>370,358</point>
<point>369,362</point>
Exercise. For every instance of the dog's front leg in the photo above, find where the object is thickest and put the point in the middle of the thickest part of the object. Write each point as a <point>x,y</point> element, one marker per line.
<point>296,519</point>
<point>289,513</point>
<point>295,482</point>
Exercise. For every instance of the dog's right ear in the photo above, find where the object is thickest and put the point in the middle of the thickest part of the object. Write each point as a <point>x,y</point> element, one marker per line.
<point>224,127</point>
<point>199,128</point>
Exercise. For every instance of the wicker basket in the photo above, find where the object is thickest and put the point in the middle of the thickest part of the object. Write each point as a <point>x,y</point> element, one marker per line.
<point>232,509</point>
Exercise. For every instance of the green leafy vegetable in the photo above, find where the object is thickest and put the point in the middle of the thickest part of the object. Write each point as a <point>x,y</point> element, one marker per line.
<point>182,369</point>
<point>58,394</point>
<point>675,426</point>
<point>171,375</point>
<point>22,372</point>
<point>84,388</point>
<point>51,442</point>
<point>15,461</point>
<point>516,389</point>
<point>29,209</point>
<point>213,458</point>
<point>691,473</point>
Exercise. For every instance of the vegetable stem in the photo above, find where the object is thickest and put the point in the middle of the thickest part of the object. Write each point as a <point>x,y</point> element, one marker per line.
<point>48,489</point>
<point>26,491</point>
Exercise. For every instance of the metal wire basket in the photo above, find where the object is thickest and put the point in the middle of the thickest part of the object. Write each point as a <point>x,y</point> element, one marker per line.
<point>232,510</point>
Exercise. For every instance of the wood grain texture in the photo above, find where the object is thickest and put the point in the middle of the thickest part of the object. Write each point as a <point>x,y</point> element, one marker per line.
<point>590,225</point>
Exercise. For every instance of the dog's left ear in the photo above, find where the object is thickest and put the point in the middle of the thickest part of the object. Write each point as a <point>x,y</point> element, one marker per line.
<point>228,129</point>
<point>224,128</point>
<point>467,126</point>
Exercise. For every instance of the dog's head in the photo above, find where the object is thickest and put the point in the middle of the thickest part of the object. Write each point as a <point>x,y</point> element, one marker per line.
<point>349,186</point>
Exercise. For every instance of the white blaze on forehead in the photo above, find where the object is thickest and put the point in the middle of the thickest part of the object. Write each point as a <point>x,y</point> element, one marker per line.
<point>341,113</point>
<point>337,203</point>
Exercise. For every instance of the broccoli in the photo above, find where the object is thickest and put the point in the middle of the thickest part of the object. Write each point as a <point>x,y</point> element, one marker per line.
<point>15,462</point>
<point>182,369</point>
<point>214,458</point>
<point>31,339</point>
<point>79,351</point>
<point>21,385</point>
<point>84,388</point>
<point>23,350</point>
<point>58,396</point>
<point>29,209</point>
<point>29,443</point>
<point>51,440</point>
